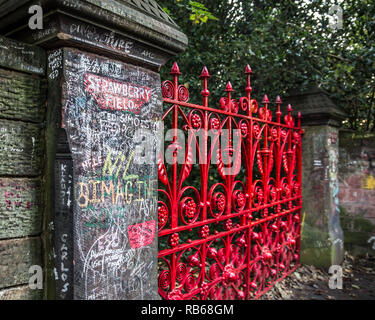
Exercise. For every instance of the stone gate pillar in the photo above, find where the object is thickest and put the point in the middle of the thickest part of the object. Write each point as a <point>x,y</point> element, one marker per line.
<point>322,236</point>
<point>103,114</point>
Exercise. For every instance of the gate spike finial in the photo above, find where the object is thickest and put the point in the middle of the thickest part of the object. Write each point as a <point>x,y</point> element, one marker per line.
<point>175,69</point>
<point>248,70</point>
<point>229,87</point>
<point>289,108</point>
<point>205,73</point>
<point>248,88</point>
<point>278,111</point>
<point>265,99</point>
<point>205,92</point>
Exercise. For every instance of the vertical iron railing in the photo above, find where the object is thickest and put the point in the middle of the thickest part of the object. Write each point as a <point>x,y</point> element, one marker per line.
<point>229,213</point>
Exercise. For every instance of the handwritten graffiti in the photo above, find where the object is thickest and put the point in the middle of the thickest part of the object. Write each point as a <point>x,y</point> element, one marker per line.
<point>115,197</point>
<point>118,191</point>
<point>14,200</point>
<point>114,95</point>
<point>54,64</point>
<point>64,257</point>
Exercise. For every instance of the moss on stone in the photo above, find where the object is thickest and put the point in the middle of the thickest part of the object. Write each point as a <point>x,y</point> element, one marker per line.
<point>357,230</point>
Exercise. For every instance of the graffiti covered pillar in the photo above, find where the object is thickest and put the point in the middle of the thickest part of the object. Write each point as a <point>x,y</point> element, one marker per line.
<point>322,236</point>
<point>104,112</point>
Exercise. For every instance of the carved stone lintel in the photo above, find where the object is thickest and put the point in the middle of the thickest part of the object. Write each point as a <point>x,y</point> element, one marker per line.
<point>139,32</point>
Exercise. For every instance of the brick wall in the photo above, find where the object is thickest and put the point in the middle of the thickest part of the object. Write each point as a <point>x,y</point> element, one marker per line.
<point>357,190</point>
<point>22,116</point>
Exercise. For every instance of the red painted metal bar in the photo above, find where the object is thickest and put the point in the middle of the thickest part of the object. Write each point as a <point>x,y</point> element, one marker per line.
<point>227,230</point>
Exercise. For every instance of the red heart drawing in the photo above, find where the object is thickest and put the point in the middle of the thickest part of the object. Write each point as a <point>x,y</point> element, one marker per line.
<point>142,234</point>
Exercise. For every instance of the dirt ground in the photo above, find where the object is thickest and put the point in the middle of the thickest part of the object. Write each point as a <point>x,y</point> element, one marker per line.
<point>310,283</point>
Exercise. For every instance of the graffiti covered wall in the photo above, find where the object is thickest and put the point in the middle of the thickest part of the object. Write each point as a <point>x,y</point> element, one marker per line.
<point>110,113</point>
<point>357,190</point>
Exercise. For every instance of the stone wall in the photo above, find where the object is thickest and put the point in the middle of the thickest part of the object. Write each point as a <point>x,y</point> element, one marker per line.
<point>22,115</point>
<point>98,214</point>
<point>357,190</point>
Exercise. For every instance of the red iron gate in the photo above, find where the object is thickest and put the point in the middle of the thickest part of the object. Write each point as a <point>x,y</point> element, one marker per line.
<point>229,225</point>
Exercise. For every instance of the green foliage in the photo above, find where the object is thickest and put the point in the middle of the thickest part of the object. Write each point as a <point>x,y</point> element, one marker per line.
<point>289,44</point>
<point>199,12</point>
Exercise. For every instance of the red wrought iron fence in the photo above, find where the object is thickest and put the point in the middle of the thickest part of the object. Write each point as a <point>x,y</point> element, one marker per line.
<point>229,213</point>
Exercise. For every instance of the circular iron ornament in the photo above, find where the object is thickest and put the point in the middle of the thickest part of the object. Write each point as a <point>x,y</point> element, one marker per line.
<point>254,106</point>
<point>164,279</point>
<point>256,130</point>
<point>289,120</point>
<point>272,190</point>
<point>244,104</point>
<point>214,122</point>
<point>244,127</point>
<point>189,207</point>
<point>162,214</point>
<point>239,200</point>
<point>218,204</point>
<point>217,200</point>
<point>234,108</point>
<point>238,196</point>
<point>265,114</point>
<point>190,282</point>
<point>221,255</point>
<point>257,194</point>
<point>214,271</point>
<point>274,134</point>
<point>181,271</point>
<point>167,89</point>
<point>183,93</point>
<point>195,119</point>
<point>224,105</point>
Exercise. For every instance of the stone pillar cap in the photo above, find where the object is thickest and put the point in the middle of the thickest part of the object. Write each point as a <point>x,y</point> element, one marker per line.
<point>316,107</point>
<point>97,25</point>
